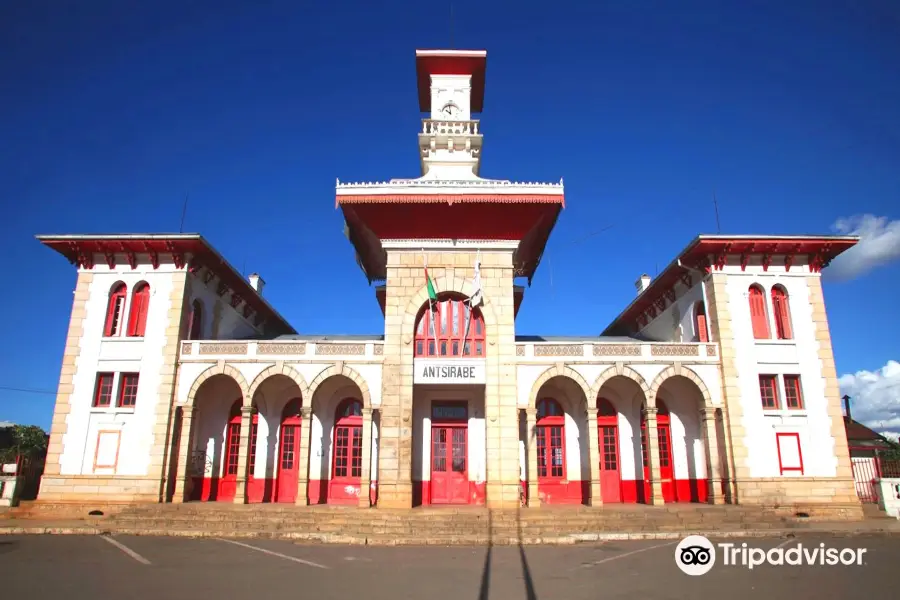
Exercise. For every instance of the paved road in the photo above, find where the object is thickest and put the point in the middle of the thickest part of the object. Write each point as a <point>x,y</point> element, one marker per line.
<point>149,568</point>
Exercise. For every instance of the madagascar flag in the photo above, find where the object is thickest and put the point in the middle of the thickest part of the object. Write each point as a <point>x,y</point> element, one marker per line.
<point>432,295</point>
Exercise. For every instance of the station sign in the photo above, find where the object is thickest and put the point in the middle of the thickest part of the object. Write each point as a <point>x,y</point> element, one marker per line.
<point>430,371</point>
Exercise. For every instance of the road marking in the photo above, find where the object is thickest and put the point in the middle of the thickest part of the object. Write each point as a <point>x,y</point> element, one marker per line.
<point>785,543</point>
<point>278,554</point>
<point>618,556</point>
<point>126,550</point>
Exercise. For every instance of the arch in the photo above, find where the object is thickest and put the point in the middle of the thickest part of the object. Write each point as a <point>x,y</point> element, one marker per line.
<point>220,369</point>
<point>341,369</point>
<point>444,331</point>
<point>280,369</point>
<point>195,320</point>
<point>115,309</point>
<point>559,371</point>
<point>759,313</point>
<point>137,314</point>
<point>443,283</point>
<point>679,370</point>
<point>619,370</point>
<point>781,311</point>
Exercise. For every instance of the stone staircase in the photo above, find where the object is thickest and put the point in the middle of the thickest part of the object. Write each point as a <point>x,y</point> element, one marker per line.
<point>427,525</point>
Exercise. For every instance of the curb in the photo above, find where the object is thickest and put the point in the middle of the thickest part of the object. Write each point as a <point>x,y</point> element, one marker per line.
<point>332,539</point>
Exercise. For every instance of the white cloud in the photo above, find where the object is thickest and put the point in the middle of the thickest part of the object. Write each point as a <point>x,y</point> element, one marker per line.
<point>875,397</point>
<point>879,244</point>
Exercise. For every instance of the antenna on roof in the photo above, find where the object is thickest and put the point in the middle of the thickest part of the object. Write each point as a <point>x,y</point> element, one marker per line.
<point>183,211</point>
<point>716,206</point>
<point>451,25</point>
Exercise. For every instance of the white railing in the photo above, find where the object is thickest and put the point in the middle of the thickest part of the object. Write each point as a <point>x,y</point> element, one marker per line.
<point>626,351</point>
<point>280,349</point>
<point>437,127</point>
<point>889,496</point>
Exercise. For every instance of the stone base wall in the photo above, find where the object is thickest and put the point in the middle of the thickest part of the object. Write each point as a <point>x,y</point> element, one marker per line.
<point>87,488</point>
<point>828,494</point>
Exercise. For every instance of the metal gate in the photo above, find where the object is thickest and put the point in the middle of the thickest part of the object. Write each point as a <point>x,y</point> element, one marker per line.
<point>865,472</point>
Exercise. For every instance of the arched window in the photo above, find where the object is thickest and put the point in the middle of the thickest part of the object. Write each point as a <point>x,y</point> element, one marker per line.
<point>450,328</point>
<point>550,433</point>
<point>700,331</point>
<point>137,316</point>
<point>195,322</point>
<point>115,310</point>
<point>347,440</point>
<point>758,316</point>
<point>782,311</point>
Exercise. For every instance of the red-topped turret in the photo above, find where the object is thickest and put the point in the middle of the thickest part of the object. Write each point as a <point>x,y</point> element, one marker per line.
<point>449,201</point>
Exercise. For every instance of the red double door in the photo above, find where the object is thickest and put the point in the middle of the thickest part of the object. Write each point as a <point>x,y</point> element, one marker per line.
<point>449,453</point>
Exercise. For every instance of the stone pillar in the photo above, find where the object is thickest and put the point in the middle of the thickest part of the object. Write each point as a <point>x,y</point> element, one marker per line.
<point>656,497</point>
<point>189,414</point>
<point>711,444</point>
<point>594,454</point>
<point>303,456</point>
<point>244,465</point>
<point>531,472</point>
<point>365,480</point>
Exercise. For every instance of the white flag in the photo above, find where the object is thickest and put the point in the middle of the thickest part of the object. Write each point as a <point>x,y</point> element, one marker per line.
<point>477,297</point>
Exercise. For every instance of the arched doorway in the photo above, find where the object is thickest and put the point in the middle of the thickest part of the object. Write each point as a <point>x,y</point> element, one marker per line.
<point>449,462</point>
<point>610,461</point>
<point>289,453</point>
<point>550,438</point>
<point>346,467</point>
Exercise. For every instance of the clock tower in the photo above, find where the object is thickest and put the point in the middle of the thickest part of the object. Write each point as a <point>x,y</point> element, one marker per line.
<point>451,90</point>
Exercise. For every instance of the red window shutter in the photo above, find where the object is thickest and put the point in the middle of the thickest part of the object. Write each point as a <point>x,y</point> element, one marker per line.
<point>114,311</point>
<point>701,328</point>
<point>782,314</point>
<point>137,319</point>
<point>758,316</point>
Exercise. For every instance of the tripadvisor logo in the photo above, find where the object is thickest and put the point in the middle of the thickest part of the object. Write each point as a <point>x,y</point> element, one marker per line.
<point>696,555</point>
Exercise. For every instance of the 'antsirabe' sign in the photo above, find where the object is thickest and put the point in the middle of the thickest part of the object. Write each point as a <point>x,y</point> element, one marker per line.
<point>459,371</point>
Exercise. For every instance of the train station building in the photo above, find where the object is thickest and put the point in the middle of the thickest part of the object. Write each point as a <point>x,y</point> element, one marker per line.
<point>180,381</point>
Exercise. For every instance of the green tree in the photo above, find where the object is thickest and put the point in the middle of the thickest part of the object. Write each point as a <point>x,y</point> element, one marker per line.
<point>28,440</point>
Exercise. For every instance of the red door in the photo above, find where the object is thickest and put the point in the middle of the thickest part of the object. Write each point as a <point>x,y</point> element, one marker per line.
<point>346,469</point>
<point>664,435</point>
<point>449,453</point>
<point>289,453</point>
<point>449,472</point>
<point>228,481</point>
<point>610,477</point>
<point>550,436</point>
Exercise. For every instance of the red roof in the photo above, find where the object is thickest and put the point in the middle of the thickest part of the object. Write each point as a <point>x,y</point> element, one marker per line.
<point>184,248</point>
<point>451,62</point>
<point>708,252</point>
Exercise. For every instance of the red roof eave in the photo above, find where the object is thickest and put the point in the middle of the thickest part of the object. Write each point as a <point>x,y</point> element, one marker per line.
<point>450,199</point>
<point>79,250</point>
<point>698,253</point>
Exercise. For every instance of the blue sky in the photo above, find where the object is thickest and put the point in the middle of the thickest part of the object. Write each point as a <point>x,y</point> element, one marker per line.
<point>112,114</point>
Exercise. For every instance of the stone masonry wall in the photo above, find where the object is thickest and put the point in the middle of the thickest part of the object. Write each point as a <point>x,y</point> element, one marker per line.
<point>405,295</point>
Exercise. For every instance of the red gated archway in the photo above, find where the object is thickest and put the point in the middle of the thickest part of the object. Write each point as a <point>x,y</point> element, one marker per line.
<point>610,461</point>
<point>289,453</point>
<point>346,465</point>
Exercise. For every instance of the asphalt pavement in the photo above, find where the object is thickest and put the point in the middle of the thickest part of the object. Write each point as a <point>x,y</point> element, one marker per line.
<point>159,568</point>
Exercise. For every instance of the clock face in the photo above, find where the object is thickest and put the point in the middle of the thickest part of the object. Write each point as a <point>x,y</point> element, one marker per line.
<point>450,110</point>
